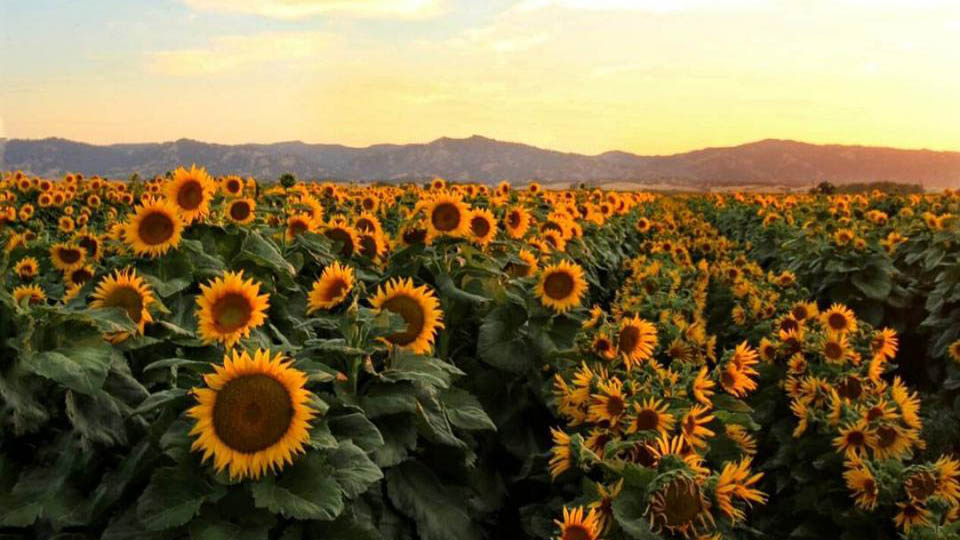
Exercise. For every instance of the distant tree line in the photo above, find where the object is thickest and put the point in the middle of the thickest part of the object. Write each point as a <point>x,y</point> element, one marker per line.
<point>827,188</point>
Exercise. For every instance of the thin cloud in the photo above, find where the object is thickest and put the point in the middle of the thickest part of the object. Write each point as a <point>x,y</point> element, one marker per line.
<point>300,9</point>
<point>228,54</point>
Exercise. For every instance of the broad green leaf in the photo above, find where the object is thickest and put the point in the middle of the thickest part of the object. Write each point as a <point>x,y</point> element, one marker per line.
<point>307,490</point>
<point>82,366</point>
<point>465,411</point>
<point>353,470</point>
<point>356,427</point>
<point>439,512</point>
<point>173,497</point>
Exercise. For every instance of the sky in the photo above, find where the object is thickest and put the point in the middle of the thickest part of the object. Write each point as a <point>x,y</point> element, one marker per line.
<point>588,76</point>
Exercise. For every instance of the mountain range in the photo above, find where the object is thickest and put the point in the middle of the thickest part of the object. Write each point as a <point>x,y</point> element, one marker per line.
<point>768,162</point>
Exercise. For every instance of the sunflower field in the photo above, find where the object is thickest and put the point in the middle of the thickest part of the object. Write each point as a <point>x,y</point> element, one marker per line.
<point>222,358</point>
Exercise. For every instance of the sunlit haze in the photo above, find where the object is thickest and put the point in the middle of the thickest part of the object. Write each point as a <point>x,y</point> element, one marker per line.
<point>646,76</point>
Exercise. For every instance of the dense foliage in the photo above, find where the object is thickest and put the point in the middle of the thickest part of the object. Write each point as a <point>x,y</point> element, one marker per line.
<point>215,358</point>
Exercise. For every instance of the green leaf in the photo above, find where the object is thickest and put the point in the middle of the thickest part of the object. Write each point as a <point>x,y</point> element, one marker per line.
<point>628,509</point>
<point>82,366</point>
<point>465,411</point>
<point>307,490</point>
<point>174,497</point>
<point>499,343</point>
<point>385,399</point>
<point>439,512</point>
<point>353,470</point>
<point>257,249</point>
<point>177,363</point>
<point>96,418</point>
<point>356,427</point>
<point>425,369</point>
<point>449,289</point>
<point>732,404</point>
<point>113,319</point>
<point>873,283</point>
<point>161,398</point>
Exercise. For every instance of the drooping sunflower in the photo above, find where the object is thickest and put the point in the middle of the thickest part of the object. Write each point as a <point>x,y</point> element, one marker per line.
<point>253,416</point>
<point>578,526</point>
<point>420,309</point>
<point>862,483</point>
<point>191,191</point>
<point>154,228</point>
<point>516,221</point>
<point>734,482</point>
<point>483,226</point>
<point>447,215</point>
<point>229,308</point>
<point>839,318</point>
<point>33,292</point>
<point>561,286</point>
<point>125,289</point>
<point>334,285</point>
<point>241,211</point>
<point>693,426</point>
<point>27,268</point>
<point>345,235</point>
<point>66,257</point>
<point>561,458</point>
<point>680,507</point>
<point>636,340</point>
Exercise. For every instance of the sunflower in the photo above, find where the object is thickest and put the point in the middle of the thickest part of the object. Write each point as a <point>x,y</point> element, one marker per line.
<point>609,405</point>
<point>191,191</point>
<point>561,286</point>
<point>91,243</point>
<point>954,351</point>
<point>253,415</point>
<point>298,224</point>
<point>561,459</point>
<point>836,348</point>
<point>232,185</point>
<point>912,514</point>
<point>651,415</point>
<point>577,526</point>
<point>483,226</point>
<point>27,268</point>
<point>334,285</point>
<point>862,483</point>
<point>419,308</point>
<point>839,318</point>
<point>368,223</point>
<point>241,211</point>
<point>413,234</point>
<point>81,275</point>
<point>693,426</point>
<point>154,228</point>
<point>229,307</point>
<point>66,257</point>
<point>516,221</point>
<point>345,235</point>
<point>447,215</point>
<point>680,508</point>
<point>739,435</point>
<point>735,481</point>
<point>854,439</point>
<point>702,387</point>
<point>636,340</point>
<point>125,289</point>
<point>33,292</point>
<point>525,269</point>
<point>371,245</point>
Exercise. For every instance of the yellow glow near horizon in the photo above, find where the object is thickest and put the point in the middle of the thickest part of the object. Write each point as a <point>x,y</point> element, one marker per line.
<point>648,76</point>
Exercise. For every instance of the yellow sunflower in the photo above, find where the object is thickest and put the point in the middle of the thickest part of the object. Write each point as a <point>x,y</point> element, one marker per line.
<point>579,526</point>
<point>154,228</point>
<point>33,292</point>
<point>27,268</point>
<point>232,185</point>
<point>651,415</point>
<point>561,286</point>
<point>517,221</point>
<point>125,289</point>
<point>525,269</point>
<point>419,308</point>
<point>447,215</point>
<point>253,416</point>
<point>229,307</point>
<point>680,508</point>
<point>66,257</point>
<point>636,340</point>
<point>298,224</point>
<point>839,318</point>
<point>80,275</point>
<point>191,191</point>
<point>483,226</point>
<point>954,351</point>
<point>332,288</point>
<point>345,235</point>
<point>241,211</point>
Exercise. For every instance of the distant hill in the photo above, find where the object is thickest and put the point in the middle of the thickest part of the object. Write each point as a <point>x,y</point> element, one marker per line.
<point>767,162</point>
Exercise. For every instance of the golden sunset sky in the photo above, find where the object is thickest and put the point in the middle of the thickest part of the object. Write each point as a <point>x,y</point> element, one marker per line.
<point>645,76</point>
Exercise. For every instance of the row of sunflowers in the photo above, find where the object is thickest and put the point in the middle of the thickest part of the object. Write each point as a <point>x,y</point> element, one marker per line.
<point>223,358</point>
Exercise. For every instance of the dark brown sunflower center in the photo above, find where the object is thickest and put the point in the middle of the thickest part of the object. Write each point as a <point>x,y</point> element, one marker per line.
<point>233,186</point>
<point>412,314</point>
<point>414,236</point>
<point>239,210</point>
<point>480,226</point>
<point>728,378</point>
<point>602,345</point>
<point>615,406</point>
<point>832,350</point>
<point>70,255</point>
<point>513,219</point>
<point>837,321</point>
<point>342,236</point>
<point>368,246</point>
<point>558,285</point>
<point>850,388</point>
<point>445,217</point>
<point>231,312</point>
<point>788,324</point>
<point>190,195</point>
<point>80,275</point>
<point>921,485</point>
<point>297,227</point>
<point>369,204</point>
<point>334,289</point>
<point>365,225</point>
<point>682,502</point>
<point>629,338</point>
<point>90,245</point>
<point>155,228</point>
<point>647,419</point>
<point>127,298</point>
<point>576,531</point>
<point>856,438</point>
<point>252,413</point>
<point>886,436</point>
